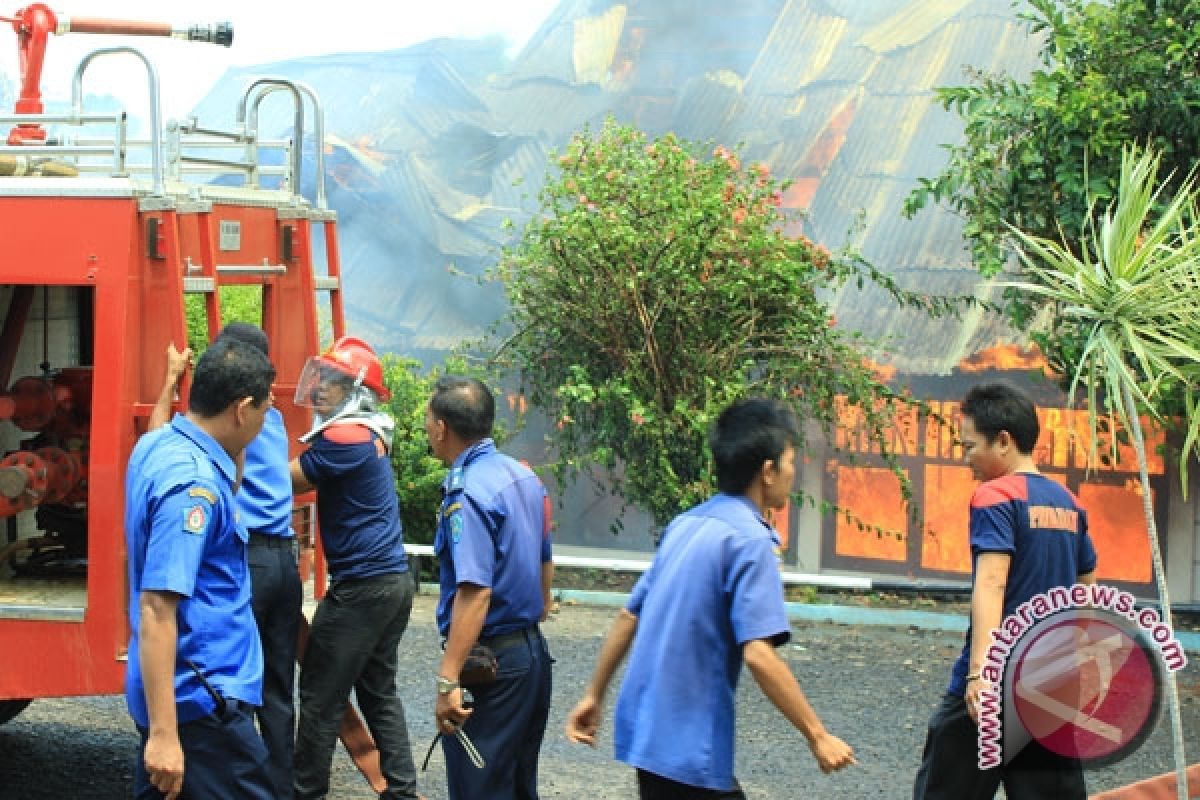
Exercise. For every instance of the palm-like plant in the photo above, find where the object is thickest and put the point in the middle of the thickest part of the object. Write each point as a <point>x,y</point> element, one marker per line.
<point>1130,288</point>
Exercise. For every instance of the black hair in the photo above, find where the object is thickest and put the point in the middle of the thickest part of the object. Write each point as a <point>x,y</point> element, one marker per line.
<point>465,404</point>
<point>245,332</point>
<point>995,407</point>
<point>229,370</point>
<point>748,434</point>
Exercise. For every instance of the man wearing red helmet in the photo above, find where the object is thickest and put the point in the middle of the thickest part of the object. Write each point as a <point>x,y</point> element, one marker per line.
<point>358,624</point>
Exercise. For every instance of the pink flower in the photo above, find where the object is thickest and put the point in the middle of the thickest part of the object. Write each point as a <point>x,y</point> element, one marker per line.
<point>637,418</point>
<point>739,215</point>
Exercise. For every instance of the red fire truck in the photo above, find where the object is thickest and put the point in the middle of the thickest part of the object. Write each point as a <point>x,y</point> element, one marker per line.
<point>102,237</point>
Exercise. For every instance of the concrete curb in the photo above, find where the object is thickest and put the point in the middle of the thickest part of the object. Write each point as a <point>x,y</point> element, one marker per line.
<point>846,615</point>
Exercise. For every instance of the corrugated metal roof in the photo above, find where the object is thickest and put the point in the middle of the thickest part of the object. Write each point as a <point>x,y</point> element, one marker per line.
<point>798,50</point>
<point>909,25</point>
<point>835,93</point>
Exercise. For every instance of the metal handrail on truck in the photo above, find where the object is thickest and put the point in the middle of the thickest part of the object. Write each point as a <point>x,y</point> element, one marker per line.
<point>185,154</point>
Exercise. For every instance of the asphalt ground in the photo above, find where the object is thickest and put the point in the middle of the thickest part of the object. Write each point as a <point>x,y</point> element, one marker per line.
<point>874,686</point>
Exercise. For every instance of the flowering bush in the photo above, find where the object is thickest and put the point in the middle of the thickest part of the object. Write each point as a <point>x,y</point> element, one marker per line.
<point>655,287</point>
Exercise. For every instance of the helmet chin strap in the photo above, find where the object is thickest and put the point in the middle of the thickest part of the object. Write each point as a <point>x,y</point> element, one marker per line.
<point>350,406</point>
<point>359,405</point>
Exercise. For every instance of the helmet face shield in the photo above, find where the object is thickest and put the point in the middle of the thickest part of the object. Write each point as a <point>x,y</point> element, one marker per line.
<point>324,386</point>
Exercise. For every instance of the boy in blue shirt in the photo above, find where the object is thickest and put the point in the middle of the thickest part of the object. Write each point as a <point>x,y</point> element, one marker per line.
<point>711,600</point>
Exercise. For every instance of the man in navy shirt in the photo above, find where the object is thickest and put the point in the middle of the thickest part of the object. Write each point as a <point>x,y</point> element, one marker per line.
<point>195,663</point>
<point>711,600</point>
<point>1015,558</point>
<point>264,501</point>
<point>493,548</point>
<point>357,627</point>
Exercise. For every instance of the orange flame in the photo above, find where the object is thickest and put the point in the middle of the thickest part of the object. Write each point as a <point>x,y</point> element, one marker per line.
<point>1006,357</point>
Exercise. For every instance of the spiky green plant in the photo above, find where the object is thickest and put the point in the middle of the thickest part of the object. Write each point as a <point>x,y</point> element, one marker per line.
<point>1131,292</point>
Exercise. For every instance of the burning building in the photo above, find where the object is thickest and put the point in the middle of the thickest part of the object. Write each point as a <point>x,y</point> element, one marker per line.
<point>835,94</point>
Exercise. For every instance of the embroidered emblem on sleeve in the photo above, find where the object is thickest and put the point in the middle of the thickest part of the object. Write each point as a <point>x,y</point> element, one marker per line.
<point>456,526</point>
<point>195,519</point>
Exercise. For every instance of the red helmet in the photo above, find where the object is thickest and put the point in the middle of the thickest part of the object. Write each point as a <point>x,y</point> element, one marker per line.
<point>348,356</point>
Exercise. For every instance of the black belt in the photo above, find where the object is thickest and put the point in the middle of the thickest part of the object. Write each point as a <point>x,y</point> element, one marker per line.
<point>223,704</point>
<point>512,637</point>
<point>271,539</point>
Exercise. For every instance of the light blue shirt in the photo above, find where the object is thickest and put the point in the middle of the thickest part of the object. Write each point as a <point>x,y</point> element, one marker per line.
<point>265,497</point>
<point>182,535</point>
<point>714,586</point>
<point>492,532</point>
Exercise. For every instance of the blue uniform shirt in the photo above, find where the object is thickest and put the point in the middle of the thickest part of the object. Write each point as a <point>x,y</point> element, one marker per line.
<point>714,586</point>
<point>356,502</point>
<point>1039,523</point>
<point>265,497</point>
<point>182,535</point>
<point>492,532</point>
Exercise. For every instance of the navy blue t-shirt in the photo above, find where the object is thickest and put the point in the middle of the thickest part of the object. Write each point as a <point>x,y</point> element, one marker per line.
<point>356,502</point>
<point>1042,526</point>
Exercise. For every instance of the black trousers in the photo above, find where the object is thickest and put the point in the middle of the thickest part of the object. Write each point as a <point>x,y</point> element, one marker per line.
<point>950,765</point>
<point>656,787</point>
<point>353,645</point>
<point>277,597</point>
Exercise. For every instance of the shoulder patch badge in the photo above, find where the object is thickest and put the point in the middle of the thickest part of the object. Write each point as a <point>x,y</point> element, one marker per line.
<point>456,527</point>
<point>195,519</point>
<point>451,508</point>
<point>200,491</point>
<point>454,481</point>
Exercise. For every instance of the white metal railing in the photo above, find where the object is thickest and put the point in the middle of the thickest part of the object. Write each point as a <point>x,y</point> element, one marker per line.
<point>188,151</point>
<point>641,565</point>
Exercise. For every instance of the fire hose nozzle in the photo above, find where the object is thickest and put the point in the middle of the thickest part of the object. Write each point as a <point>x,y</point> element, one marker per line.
<point>220,33</point>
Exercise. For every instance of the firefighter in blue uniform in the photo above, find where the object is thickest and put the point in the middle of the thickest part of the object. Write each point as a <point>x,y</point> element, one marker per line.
<point>195,663</point>
<point>264,502</point>
<point>493,547</point>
